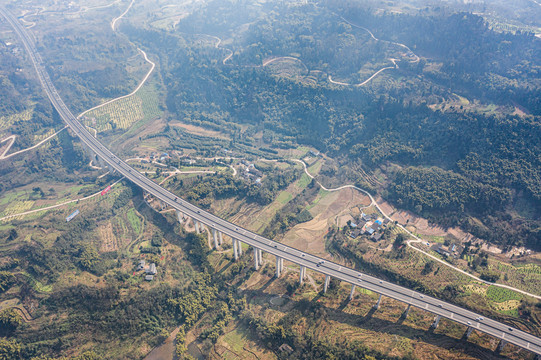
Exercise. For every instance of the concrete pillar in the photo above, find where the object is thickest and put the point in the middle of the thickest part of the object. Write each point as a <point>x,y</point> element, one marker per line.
<point>239,247</point>
<point>407,311</point>
<point>278,267</point>
<point>221,241</point>
<point>326,284</point>
<point>281,265</point>
<point>436,322</point>
<point>352,292</point>
<point>379,302</point>
<point>468,332</point>
<point>179,216</point>
<point>235,250</point>
<point>301,275</point>
<point>196,223</point>
<point>500,346</point>
<point>215,238</point>
<point>260,253</point>
<point>256,259</point>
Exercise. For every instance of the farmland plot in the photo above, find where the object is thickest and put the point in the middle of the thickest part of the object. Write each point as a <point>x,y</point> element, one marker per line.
<point>124,113</point>
<point>16,208</point>
<point>7,121</point>
<point>108,239</point>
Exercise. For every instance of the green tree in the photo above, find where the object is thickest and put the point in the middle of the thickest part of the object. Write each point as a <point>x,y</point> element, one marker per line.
<point>9,350</point>
<point>7,279</point>
<point>399,240</point>
<point>10,319</point>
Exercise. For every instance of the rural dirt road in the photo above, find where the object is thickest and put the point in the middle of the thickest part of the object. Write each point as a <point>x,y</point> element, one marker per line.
<point>416,239</point>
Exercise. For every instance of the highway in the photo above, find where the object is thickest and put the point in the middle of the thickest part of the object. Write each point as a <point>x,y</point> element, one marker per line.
<point>416,299</point>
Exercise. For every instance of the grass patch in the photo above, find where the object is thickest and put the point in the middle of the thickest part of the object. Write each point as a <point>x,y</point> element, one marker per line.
<point>315,168</point>
<point>134,221</point>
<point>500,295</point>
<point>284,197</point>
<point>320,196</point>
<point>304,181</point>
<point>36,285</point>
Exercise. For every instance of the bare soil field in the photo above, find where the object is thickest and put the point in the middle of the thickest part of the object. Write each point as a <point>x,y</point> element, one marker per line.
<point>109,241</point>
<point>201,131</point>
<point>309,236</point>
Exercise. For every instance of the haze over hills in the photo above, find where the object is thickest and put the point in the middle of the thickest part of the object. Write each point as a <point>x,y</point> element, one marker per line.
<point>280,117</point>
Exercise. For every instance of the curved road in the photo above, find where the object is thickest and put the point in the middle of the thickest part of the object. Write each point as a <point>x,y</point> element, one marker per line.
<point>416,239</point>
<point>419,300</point>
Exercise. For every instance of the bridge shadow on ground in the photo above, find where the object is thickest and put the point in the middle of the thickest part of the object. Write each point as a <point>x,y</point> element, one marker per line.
<point>378,325</point>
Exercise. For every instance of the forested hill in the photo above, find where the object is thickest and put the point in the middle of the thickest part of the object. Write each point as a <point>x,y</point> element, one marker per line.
<point>460,166</point>
<point>501,67</point>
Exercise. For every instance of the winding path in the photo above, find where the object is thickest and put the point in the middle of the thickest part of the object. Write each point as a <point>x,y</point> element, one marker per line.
<point>113,23</point>
<point>57,205</point>
<point>329,77</point>
<point>3,156</point>
<point>416,239</point>
<point>153,65</point>
<point>260,244</point>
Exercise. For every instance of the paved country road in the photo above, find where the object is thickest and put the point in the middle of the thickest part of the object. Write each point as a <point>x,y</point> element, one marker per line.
<point>408,296</point>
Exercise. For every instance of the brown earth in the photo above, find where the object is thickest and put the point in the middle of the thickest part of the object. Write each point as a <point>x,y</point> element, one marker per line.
<point>310,236</point>
<point>201,131</point>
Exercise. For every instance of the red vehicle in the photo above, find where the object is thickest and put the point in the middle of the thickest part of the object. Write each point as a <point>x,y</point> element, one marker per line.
<point>106,190</point>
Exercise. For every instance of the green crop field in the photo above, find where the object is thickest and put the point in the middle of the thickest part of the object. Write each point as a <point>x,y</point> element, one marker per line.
<point>304,181</point>
<point>134,221</point>
<point>36,285</point>
<point>7,121</point>
<point>124,113</point>
<point>529,269</point>
<point>499,295</point>
<point>284,197</point>
<point>17,207</point>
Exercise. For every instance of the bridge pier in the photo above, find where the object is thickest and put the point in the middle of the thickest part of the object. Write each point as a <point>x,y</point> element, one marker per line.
<point>196,224</point>
<point>221,240</point>
<point>468,333</point>
<point>256,259</point>
<point>326,284</point>
<point>235,249</point>
<point>436,322</point>
<point>279,266</point>
<point>302,273</point>
<point>215,238</point>
<point>500,346</point>
<point>407,311</point>
<point>352,292</point>
<point>239,247</point>
<point>378,302</point>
